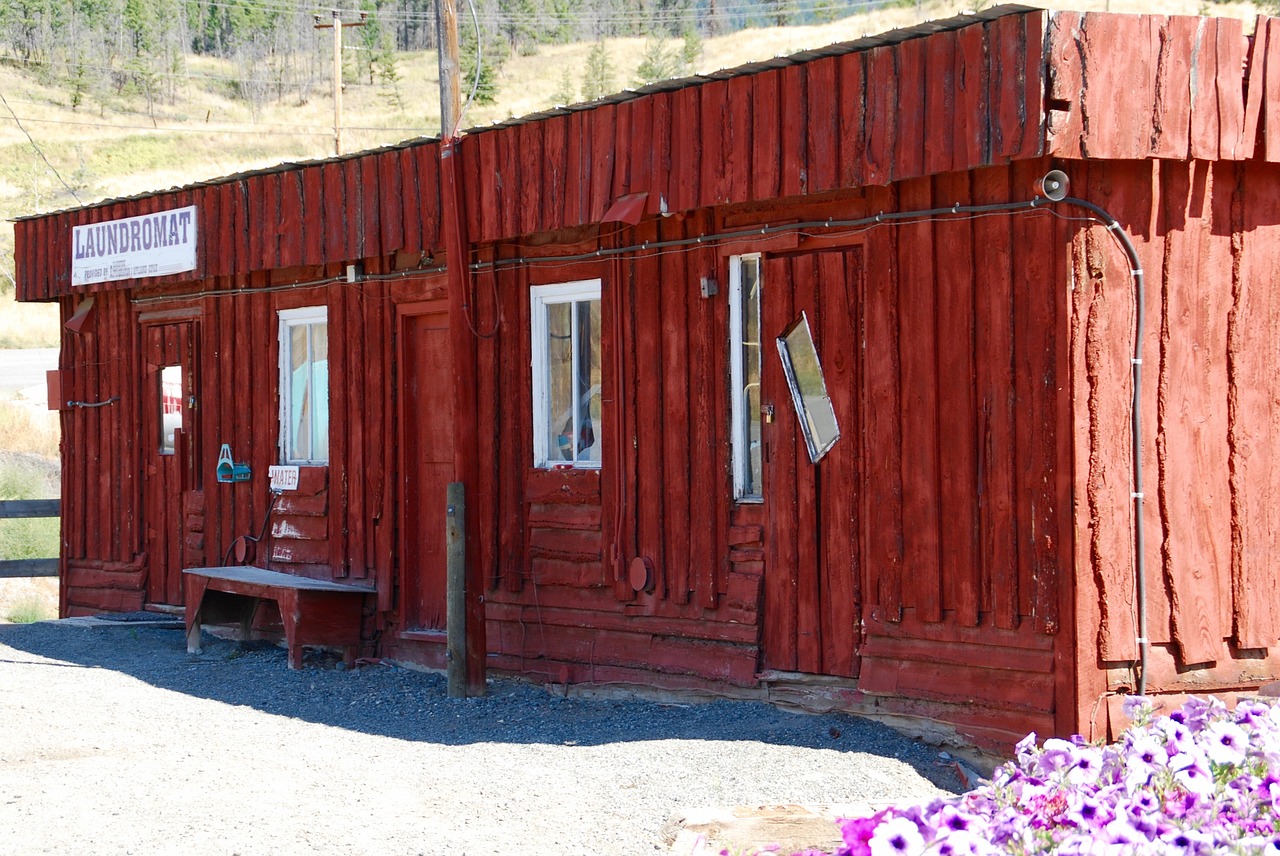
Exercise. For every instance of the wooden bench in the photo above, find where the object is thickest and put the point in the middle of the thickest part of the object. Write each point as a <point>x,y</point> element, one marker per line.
<point>313,612</point>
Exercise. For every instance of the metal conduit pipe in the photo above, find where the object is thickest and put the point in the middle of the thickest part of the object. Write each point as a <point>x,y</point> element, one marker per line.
<point>1051,195</point>
<point>1140,577</point>
<point>1053,191</point>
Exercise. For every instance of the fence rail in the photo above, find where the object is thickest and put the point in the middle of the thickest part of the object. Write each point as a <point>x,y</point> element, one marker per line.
<point>11,509</point>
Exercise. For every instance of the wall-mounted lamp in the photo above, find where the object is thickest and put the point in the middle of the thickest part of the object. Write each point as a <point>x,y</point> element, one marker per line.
<point>1054,185</point>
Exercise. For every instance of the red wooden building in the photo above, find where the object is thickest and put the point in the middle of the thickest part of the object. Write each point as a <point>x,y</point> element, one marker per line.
<point>643,506</point>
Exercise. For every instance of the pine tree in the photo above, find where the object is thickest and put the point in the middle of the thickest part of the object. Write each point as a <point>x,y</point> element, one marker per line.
<point>565,92</point>
<point>598,78</point>
<point>691,50</point>
<point>658,62</point>
<point>783,12</point>
<point>485,86</point>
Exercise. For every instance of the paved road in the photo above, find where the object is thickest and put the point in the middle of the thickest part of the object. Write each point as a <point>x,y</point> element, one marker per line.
<point>24,368</point>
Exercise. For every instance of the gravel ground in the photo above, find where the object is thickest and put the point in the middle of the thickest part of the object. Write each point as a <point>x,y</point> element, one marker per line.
<point>115,740</point>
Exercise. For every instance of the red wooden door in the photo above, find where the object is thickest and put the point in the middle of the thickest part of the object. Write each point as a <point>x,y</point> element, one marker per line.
<point>813,581</point>
<point>171,450</point>
<point>426,461</point>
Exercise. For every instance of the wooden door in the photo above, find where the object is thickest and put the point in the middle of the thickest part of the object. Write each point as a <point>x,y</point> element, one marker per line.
<point>813,580</point>
<point>171,448</point>
<point>426,460</point>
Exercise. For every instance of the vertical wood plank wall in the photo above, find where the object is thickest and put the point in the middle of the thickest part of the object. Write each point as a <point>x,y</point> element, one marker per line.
<point>994,382</point>
<point>802,129</point>
<point>963,444</point>
<point>103,566</point>
<point>255,239</point>
<point>1207,235</point>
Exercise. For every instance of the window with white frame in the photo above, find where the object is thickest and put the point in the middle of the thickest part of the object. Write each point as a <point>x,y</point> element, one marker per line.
<point>304,385</point>
<point>565,328</point>
<point>744,375</point>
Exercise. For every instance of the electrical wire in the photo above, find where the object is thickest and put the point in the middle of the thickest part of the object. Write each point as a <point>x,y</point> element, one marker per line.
<point>1135,426</point>
<point>475,83</point>
<point>766,9</point>
<point>743,235</point>
<point>855,226</point>
<point>262,533</point>
<point>167,130</point>
<point>292,286</point>
<point>38,151</point>
<point>186,74</point>
<point>212,129</point>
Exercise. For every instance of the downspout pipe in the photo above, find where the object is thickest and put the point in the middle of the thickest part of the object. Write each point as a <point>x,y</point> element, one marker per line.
<point>1140,577</point>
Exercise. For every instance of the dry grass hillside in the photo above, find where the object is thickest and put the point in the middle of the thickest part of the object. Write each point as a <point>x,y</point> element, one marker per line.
<point>113,146</point>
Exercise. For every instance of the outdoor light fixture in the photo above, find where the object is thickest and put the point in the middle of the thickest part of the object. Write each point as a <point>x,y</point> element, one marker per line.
<point>1054,185</point>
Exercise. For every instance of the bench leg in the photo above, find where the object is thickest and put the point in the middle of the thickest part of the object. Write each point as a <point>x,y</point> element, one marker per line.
<point>193,634</point>
<point>246,619</point>
<point>194,603</point>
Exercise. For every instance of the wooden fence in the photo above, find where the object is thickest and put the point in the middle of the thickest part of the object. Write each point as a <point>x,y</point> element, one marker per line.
<point>16,508</point>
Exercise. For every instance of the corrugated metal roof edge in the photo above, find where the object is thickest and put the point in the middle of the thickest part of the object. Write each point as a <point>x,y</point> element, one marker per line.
<point>866,42</point>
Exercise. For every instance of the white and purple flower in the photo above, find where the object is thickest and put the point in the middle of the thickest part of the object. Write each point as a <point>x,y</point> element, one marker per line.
<point>1202,780</point>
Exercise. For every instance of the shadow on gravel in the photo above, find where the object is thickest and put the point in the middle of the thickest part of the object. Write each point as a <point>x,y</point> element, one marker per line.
<point>411,705</point>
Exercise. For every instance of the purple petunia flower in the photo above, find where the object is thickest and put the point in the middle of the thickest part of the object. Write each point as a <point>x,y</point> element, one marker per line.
<point>1225,743</point>
<point>857,832</point>
<point>1135,706</point>
<point>897,837</point>
<point>1203,780</point>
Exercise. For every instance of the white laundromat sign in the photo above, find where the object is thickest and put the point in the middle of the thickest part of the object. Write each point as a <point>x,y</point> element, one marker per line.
<point>147,245</point>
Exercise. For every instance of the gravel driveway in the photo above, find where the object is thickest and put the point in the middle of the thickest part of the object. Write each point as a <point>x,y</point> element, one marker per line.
<point>115,740</point>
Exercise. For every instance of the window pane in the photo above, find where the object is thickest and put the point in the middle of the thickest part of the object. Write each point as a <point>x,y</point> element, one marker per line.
<point>170,407</point>
<point>320,391</point>
<point>567,369</point>
<point>588,385</point>
<point>751,368</point>
<point>560,381</point>
<point>304,385</point>
<point>299,394</point>
<point>808,389</point>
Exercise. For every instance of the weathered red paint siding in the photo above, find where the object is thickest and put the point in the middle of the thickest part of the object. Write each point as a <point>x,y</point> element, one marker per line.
<point>723,141</point>
<point>841,121</point>
<point>102,563</point>
<point>1149,86</point>
<point>281,219</point>
<point>982,363</point>
<point>1208,234</point>
<point>961,400</point>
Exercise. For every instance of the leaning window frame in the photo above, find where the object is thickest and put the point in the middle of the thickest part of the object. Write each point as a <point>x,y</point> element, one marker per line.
<point>540,297</point>
<point>740,443</point>
<point>288,319</point>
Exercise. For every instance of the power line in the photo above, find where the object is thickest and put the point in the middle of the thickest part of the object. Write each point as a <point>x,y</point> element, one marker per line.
<point>205,129</point>
<point>200,130</point>
<point>123,112</point>
<point>761,8</point>
<point>38,151</point>
<point>195,75</point>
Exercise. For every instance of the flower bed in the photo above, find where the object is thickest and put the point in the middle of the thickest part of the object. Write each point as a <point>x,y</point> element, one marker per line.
<point>1200,780</point>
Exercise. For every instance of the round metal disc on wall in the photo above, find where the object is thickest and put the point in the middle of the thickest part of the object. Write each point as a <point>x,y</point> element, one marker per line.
<point>640,573</point>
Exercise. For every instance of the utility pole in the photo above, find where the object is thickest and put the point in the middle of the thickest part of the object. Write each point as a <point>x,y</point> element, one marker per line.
<point>450,93</point>
<point>337,26</point>
<point>465,587</point>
